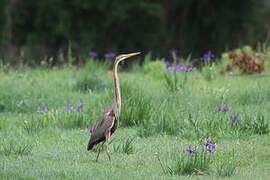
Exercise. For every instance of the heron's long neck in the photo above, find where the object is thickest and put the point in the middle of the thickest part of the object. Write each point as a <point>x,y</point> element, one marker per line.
<point>117,94</point>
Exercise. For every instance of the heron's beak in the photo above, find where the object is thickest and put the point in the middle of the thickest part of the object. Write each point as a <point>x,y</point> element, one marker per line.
<point>132,54</point>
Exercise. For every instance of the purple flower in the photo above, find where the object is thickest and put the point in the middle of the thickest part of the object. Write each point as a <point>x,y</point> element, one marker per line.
<point>170,69</point>
<point>207,57</point>
<point>180,68</point>
<point>109,56</point>
<point>69,108</point>
<point>233,119</point>
<point>223,108</point>
<point>167,63</point>
<point>189,68</point>
<point>93,54</point>
<point>42,109</point>
<point>210,146</point>
<point>79,107</point>
<point>191,150</point>
<point>74,108</point>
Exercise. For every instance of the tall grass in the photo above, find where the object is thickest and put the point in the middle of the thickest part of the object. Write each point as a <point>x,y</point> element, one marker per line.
<point>148,107</point>
<point>256,124</point>
<point>93,77</point>
<point>185,163</point>
<point>15,147</point>
<point>126,146</point>
<point>24,92</point>
<point>198,160</point>
<point>137,104</point>
<point>226,164</point>
<point>56,118</point>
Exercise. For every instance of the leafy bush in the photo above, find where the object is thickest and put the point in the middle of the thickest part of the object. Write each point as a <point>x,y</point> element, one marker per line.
<point>82,23</point>
<point>245,60</point>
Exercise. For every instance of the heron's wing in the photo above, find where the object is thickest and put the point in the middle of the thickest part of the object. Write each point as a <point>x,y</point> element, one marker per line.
<point>100,122</point>
<point>98,131</point>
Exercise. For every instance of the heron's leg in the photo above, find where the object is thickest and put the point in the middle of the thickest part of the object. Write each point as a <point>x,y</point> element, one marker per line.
<point>98,152</point>
<point>107,137</point>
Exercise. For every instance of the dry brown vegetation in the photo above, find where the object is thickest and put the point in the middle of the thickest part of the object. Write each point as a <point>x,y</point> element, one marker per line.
<point>247,63</point>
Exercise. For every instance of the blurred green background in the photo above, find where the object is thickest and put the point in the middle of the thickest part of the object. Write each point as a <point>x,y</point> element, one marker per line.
<point>48,28</point>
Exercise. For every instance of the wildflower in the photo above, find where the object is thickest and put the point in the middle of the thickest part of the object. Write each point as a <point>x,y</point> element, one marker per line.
<point>223,108</point>
<point>191,150</point>
<point>69,108</point>
<point>207,57</point>
<point>170,69</point>
<point>180,68</point>
<point>167,63</point>
<point>189,68</point>
<point>210,146</point>
<point>73,108</point>
<point>79,107</point>
<point>92,54</point>
<point>109,56</point>
<point>233,118</point>
<point>42,109</point>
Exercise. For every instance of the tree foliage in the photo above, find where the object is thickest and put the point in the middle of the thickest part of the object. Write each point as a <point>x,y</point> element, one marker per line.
<point>192,26</point>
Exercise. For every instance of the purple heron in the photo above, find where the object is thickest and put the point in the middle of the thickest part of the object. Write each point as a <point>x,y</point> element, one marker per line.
<point>103,129</point>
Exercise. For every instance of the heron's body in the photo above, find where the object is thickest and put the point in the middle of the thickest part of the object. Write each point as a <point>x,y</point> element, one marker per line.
<point>108,122</point>
<point>104,128</point>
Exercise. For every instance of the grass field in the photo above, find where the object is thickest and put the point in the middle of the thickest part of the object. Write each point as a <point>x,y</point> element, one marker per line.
<point>44,114</point>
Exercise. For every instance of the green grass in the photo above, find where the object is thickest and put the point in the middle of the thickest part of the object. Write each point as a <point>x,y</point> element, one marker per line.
<point>154,121</point>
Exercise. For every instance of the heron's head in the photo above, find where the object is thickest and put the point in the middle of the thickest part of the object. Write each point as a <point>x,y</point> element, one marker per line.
<point>125,56</point>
